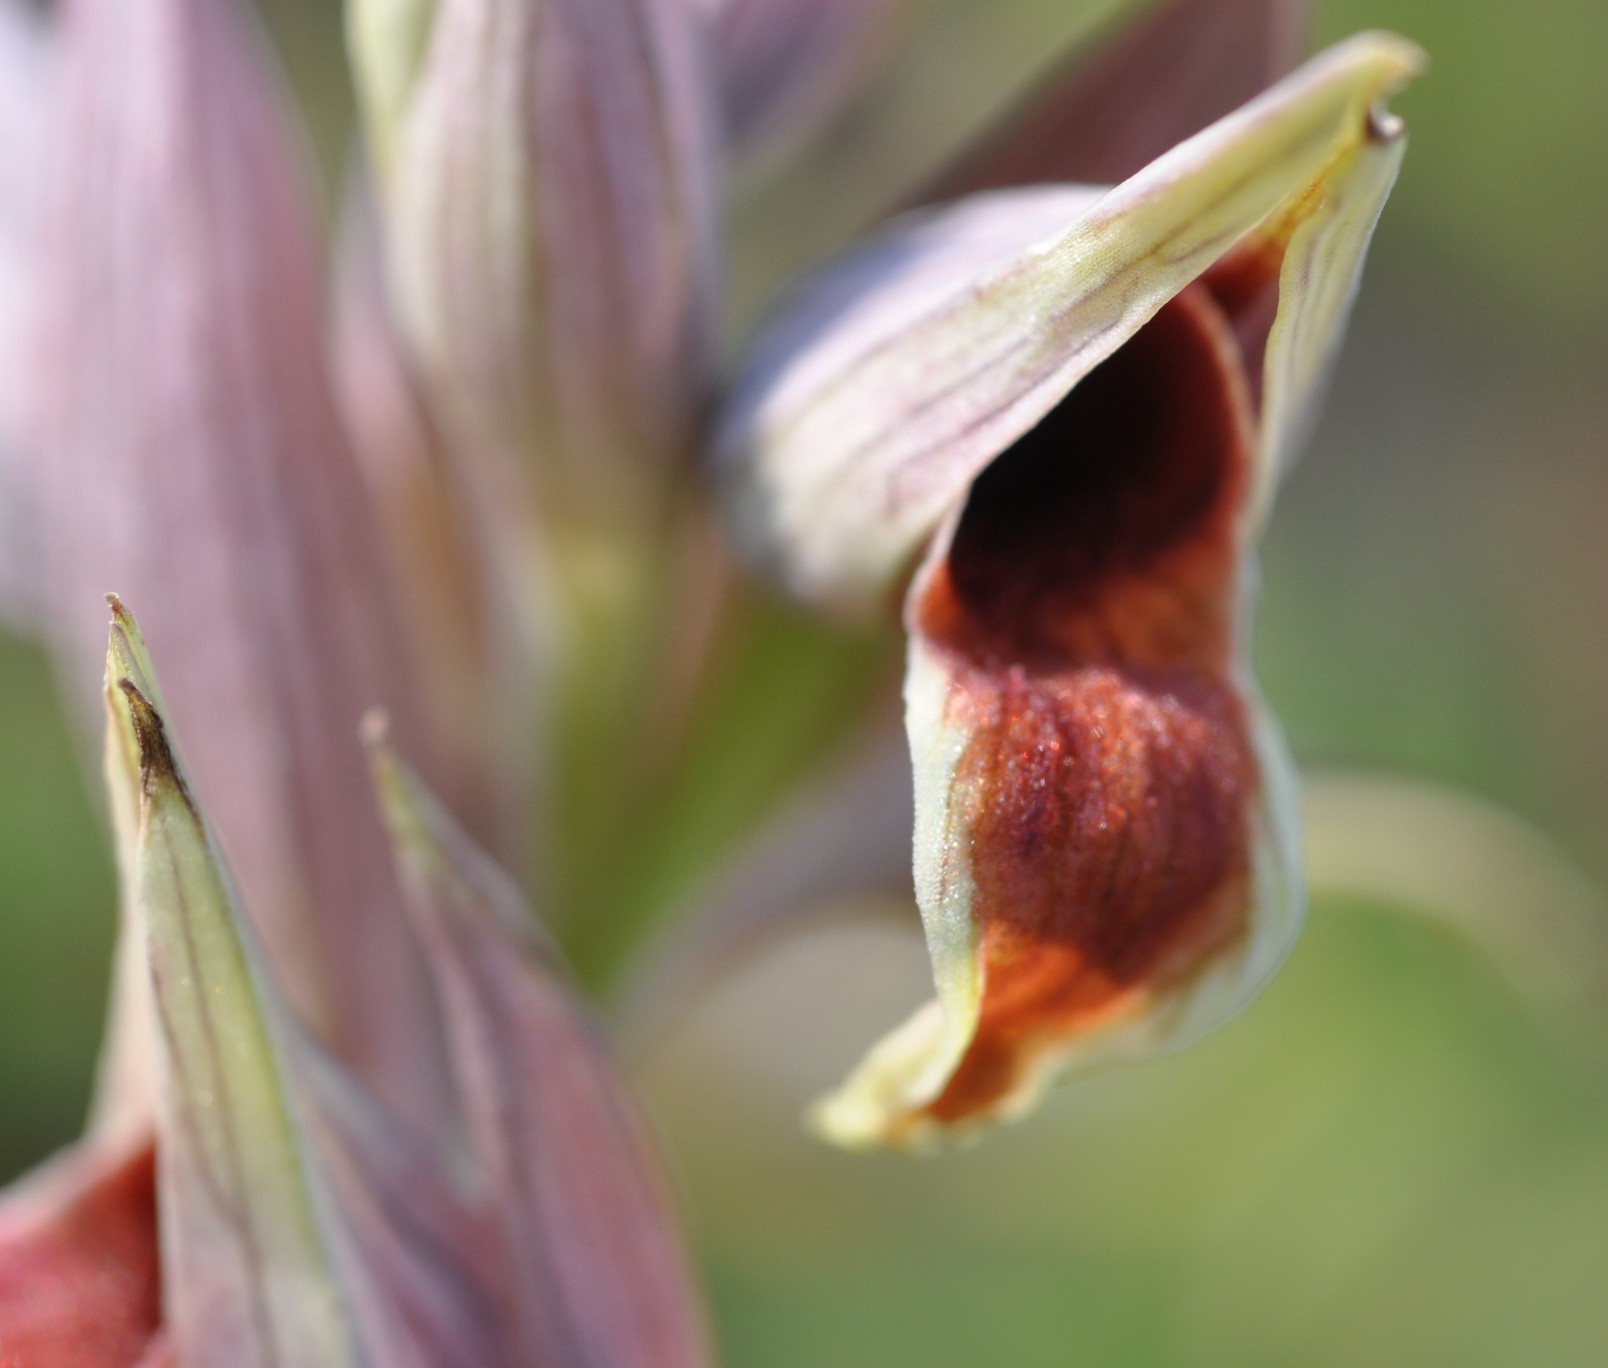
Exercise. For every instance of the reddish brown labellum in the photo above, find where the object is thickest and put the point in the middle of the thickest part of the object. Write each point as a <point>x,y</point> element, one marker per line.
<point>1088,609</point>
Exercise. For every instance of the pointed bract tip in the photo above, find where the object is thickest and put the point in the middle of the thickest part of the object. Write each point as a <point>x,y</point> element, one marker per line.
<point>128,666</point>
<point>125,645</point>
<point>572,1184</point>
<point>157,766</point>
<point>247,1262</point>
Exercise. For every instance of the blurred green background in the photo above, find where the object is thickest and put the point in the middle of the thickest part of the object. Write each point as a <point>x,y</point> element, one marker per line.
<point>1400,1156</point>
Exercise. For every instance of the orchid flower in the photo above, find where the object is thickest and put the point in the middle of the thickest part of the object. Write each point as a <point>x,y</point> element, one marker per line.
<point>352,1107</point>
<point>1068,409</point>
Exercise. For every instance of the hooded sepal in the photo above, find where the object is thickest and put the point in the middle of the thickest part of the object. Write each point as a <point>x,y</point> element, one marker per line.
<point>898,375</point>
<point>595,1265</point>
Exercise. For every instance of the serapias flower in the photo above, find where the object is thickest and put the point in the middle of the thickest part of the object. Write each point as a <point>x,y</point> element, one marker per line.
<point>288,1214</point>
<point>1053,419</point>
<point>352,1110</point>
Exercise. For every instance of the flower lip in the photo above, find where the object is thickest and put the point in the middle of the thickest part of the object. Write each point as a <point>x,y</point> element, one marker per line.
<point>1083,611</point>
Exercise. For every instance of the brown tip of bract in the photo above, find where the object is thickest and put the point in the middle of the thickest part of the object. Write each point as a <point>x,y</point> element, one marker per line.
<point>122,634</point>
<point>157,765</point>
<point>156,756</point>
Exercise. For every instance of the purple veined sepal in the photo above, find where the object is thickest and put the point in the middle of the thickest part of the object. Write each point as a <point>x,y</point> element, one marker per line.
<point>456,554</point>
<point>895,375</point>
<point>548,173</point>
<point>192,457</point>
<point>583,1218</point>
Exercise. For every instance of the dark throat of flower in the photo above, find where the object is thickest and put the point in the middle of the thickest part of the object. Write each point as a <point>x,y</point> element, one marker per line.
<point>1086,614</point>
